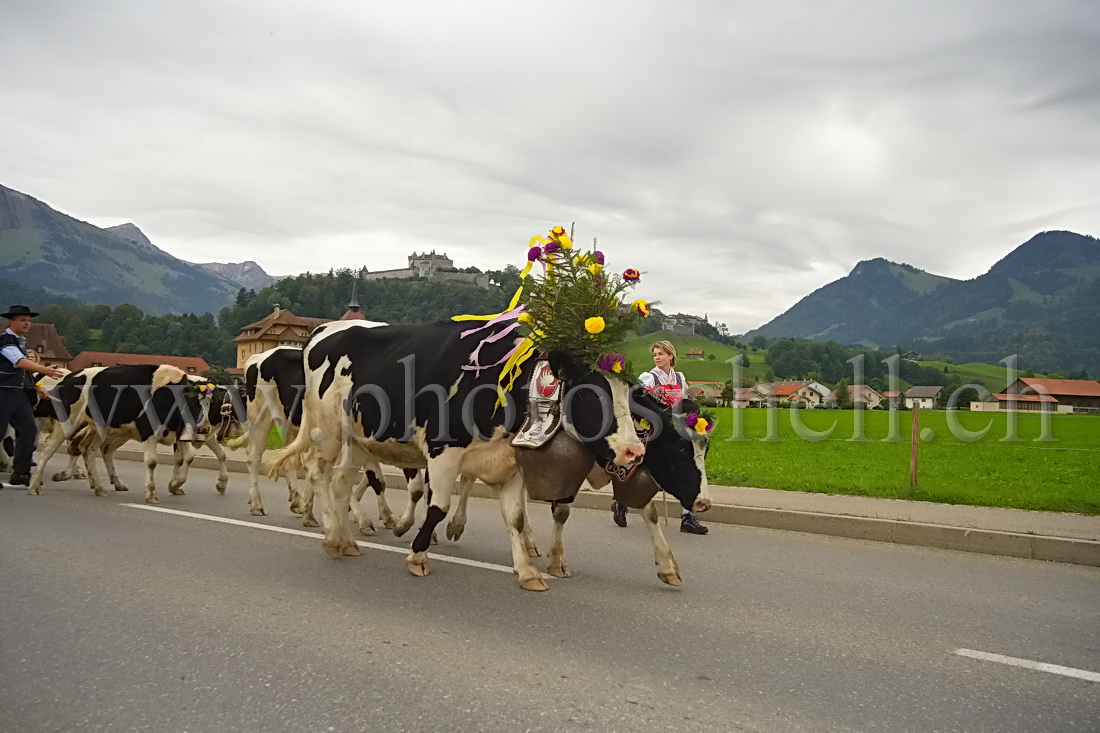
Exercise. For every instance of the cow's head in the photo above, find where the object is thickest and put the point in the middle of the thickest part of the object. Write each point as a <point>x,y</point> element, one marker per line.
<point>203,399</point>
<point>676,454</point>
<point>596,411</point>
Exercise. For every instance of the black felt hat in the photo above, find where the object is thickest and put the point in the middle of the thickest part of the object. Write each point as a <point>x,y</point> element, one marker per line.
<point>18,310</point>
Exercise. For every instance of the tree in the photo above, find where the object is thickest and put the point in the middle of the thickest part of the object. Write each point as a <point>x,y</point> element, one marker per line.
<point>843,395</point>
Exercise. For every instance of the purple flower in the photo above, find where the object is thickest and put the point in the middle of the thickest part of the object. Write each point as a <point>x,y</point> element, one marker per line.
<point>613,361</point>
<point>691,419</point>
<point>551,247</point>
<point>534,253</point>
<point>598,257</point>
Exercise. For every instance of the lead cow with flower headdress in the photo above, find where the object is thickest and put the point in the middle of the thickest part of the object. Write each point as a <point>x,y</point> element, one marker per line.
<point>448,396</point>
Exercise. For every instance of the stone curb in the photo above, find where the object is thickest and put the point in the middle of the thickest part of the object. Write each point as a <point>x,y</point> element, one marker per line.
<point>902,532</point>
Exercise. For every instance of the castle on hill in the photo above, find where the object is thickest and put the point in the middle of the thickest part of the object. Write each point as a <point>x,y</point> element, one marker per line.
<point>428,266</point>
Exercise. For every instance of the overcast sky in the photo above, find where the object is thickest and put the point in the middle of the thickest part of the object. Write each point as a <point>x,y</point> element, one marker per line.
<point>741,154</point>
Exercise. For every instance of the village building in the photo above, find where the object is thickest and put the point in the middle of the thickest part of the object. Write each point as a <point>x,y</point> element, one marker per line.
<point>283,328</point>
<point>44,340</point>
<point>870,398</point>
<point>893,400</point>
<point>189,364</point>
<point>1032,394</point>
<point>748,397</point>
<point>924,397</point>
<point>784,393</point>
<point>696,354</point>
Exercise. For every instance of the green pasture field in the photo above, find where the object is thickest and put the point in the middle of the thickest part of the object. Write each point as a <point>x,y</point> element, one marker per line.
<point>1058,474</point>
<point>641,358</point>
<point>993,377</point>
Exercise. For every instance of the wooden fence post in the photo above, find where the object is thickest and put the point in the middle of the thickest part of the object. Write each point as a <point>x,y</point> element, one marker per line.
<point>915,437</point>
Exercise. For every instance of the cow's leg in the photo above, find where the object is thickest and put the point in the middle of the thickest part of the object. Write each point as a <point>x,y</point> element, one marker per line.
<point>529,534</point>
<point>457,525</point>
<point>150,466</point>
<point>57,437</point>
<point>108,453</point>
<point>254,457</point>
<point>332,491</point>
<point>295,491</point>
<point>72,469</point>
<point>366,526</point>
<point>558,565</point>
<point>415,485</point>
<point>513,498</point>
<point>91,449</point>
<point>219,454</point>
<point>378,483</point>
<point>444,473</point>
<point>667,569</point>
<point>184,452</point>
<point>306,492</point>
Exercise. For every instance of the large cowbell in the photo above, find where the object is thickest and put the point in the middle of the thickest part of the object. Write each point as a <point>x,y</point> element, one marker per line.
<point>543,408</point>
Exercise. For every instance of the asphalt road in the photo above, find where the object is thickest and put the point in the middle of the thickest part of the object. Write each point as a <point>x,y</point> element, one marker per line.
<point>116,618</point>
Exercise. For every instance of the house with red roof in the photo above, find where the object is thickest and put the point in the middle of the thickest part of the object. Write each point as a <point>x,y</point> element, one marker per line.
<point>44,340</point>
<point>189,364</point>
<point>1034,394</point>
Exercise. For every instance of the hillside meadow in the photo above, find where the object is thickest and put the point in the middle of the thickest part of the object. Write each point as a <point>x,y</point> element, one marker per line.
<point>1056,468</point>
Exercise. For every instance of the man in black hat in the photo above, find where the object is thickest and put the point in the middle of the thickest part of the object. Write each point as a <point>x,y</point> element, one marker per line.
<point>16,368</point>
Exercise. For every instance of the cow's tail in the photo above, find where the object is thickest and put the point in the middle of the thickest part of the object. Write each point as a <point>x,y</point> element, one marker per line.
<point>290,455</point>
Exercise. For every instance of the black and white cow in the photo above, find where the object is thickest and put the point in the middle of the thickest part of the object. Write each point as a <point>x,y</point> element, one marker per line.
<point>101,406</point>
<point>410,391</point>
<point>274,382</point>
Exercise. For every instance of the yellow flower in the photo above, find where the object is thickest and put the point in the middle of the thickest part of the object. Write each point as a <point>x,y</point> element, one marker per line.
<point>594,325</point>
<point>617,366</point>
<point>538,334</point>
<point>701,426</point>
<point>581,259</point>
<point>641,306</point>
<point>595,267</point>
<point>526,319</point>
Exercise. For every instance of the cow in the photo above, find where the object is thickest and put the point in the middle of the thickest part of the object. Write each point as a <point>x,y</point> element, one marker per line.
<point>274,381</point>
<point>674,462</point>
<point>151,404</point>
<point>415,395</point>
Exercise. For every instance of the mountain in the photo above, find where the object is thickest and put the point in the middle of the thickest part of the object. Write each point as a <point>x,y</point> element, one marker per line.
<point>1041,301</point>
<point>248,275</point>
<point>42,247</point>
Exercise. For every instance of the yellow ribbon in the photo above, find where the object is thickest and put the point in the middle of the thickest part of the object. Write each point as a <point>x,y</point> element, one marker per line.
<point>511,370</point>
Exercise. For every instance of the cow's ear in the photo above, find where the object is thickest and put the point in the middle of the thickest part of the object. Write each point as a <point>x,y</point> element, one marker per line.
<point>565,367</point>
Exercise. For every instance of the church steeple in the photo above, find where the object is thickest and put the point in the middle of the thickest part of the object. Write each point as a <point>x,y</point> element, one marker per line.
<point>353,304</point>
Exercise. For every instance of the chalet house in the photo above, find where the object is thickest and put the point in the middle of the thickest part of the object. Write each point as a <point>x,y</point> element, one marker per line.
<point>747,397</point>
<point>1031,394</point>
<point>283,328</point>
<point>44,340</point>
<point>189,364</point>
<point>707,392</point>
<point>696,354</point>
<point>911,356</point>
<point>925,397</point>
<point>784,393</point>
<point>861,393</point>
<point>893,399</point>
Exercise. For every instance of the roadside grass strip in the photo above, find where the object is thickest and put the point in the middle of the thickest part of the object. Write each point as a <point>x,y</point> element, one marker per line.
<point>317,536</point>
<point>1080,674</point>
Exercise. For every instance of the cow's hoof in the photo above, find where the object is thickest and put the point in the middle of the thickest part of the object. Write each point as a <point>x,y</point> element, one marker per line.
<point>61,476</point>
<point>220,487</point>
<point>534,584</point>
<point>401,528</point>
<point>100,492</point>
<point>670,578</point>
<point>32,492</point>
<point>256,512</point>
<point>295,509</point>
<point>309,522</point>
<point>121,487</point>
<point>176,491</point>
<point>366,528</point>
<point>389,522</point>
<point>148,499</point>
<point>435,538</point>
<point>417,563</point>
<point>80,475</point>
<point>352,550</point>
<point>454,531</point>
<point>333,551</point>
<point>559,571</point>
<point>533,551</point>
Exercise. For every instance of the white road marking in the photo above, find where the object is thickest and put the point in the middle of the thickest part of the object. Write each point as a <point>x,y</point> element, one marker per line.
<point>1080,674</point>
<point>317,536</point>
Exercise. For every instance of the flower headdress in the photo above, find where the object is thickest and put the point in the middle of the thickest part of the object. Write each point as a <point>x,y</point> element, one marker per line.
<point>578,306</point>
